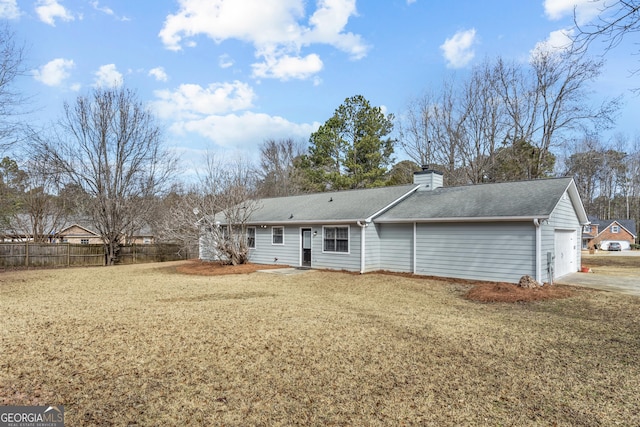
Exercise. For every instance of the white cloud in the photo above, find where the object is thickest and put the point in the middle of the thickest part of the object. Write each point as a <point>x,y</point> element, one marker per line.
<point>458,50</point>
<point>219,113</point>
<point>288,67</point>
<point>244,131</point>
<point>108,11</point>
<point>276,28</point>
<point>50,10</point>
<point>225,61</point>
<point>557,41</point>
<point>54,72</point>
<point>9,9</point>
<point>159,74</point>
<point>585,10</point>
<point>327,25</point>
<point>108,76</point>
<point>193,101</point>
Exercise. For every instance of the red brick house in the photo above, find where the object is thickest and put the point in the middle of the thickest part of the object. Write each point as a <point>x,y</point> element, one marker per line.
<point>600,233</point>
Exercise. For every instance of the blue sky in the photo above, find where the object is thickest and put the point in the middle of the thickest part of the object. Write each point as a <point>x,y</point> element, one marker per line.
<point>224,75</point>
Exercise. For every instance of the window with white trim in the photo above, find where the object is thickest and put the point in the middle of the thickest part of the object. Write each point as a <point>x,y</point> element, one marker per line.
<point>336,239</point>
<point>251,237</point>
<point>277,235</point>
<point>586,229</point>
<point>615,229</point>
<point>84,241</point>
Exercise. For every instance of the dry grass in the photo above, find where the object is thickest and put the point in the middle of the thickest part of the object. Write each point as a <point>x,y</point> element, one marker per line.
<point>612,264</point>
<point>144,345</point>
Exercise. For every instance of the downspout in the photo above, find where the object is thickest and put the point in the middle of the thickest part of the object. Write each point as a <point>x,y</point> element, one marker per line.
<point>415,257</point>
<point>363,240</point>
<point>536,222</point>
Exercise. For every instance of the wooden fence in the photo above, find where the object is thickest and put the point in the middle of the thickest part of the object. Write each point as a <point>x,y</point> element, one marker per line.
<point>29,254</point>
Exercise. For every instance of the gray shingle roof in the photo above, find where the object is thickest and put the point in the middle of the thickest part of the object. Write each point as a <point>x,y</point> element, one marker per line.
<point>337,206</point>
<point>509,200</point>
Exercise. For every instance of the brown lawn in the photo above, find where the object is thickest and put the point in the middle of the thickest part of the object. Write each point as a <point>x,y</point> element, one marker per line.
<point>612,264</point>
<point>147,345</point>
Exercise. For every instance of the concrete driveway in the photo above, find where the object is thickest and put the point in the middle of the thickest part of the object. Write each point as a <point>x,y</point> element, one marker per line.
<point>622,284</point>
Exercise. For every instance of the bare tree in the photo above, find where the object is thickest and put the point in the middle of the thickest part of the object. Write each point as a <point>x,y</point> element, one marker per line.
<point>546,102</point>
<point>11,100</point>
<point>278,175</point>
<point>111,148</point>
<point>215,211</point>
<point>43,211</point>
<point>616,19</point>
<point>430,131</point>
<point>482,122</point>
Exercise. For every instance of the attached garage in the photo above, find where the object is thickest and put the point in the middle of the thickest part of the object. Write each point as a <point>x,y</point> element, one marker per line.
<point>494,232</point>
<point>565,242</point>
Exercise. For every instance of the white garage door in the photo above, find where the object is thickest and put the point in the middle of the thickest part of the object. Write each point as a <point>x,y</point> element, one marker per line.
<point>565,252</point>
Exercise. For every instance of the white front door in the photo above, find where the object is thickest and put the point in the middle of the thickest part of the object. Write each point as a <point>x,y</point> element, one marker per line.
<point>565,253</point>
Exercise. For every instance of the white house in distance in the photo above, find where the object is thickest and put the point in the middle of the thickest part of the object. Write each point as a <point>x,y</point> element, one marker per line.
<point>493,232</point>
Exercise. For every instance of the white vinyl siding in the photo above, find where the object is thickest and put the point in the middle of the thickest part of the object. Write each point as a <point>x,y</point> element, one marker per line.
<point>268,253</point>
<point>372,247</point>
<point>501,252</point>
<point>396,247</point>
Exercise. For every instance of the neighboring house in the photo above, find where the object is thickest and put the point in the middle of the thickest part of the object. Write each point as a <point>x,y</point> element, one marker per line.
<point>602,232</point>
<point>87,235</point>
<point>493,232</point>
<point>19,228</point>
<point>79,234</point>
<point>77,231</point>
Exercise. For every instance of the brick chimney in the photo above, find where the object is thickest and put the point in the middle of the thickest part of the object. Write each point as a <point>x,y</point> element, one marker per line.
<point>428,179</point>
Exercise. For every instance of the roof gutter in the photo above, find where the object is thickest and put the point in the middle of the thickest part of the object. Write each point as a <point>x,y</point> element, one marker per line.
<point>390,205</point>
<point>304,222</point>
<point>465,219</point>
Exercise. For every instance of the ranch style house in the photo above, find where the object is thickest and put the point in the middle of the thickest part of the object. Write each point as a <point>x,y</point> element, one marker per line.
<point>492,232</point>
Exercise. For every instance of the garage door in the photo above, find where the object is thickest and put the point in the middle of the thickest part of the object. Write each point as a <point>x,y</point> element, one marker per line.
<point>565,252</point>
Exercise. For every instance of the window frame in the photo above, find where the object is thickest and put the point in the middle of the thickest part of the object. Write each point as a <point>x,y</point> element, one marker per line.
<point>249,238</point>
<point>84,241</point>
<point>336,239</point>
<point>615,229</point>
<point>273,235</point>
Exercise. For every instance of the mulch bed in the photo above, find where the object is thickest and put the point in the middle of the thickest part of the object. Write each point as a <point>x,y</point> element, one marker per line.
<point>205,268</point>
<point>480,291</point>
<point>508,292</point>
